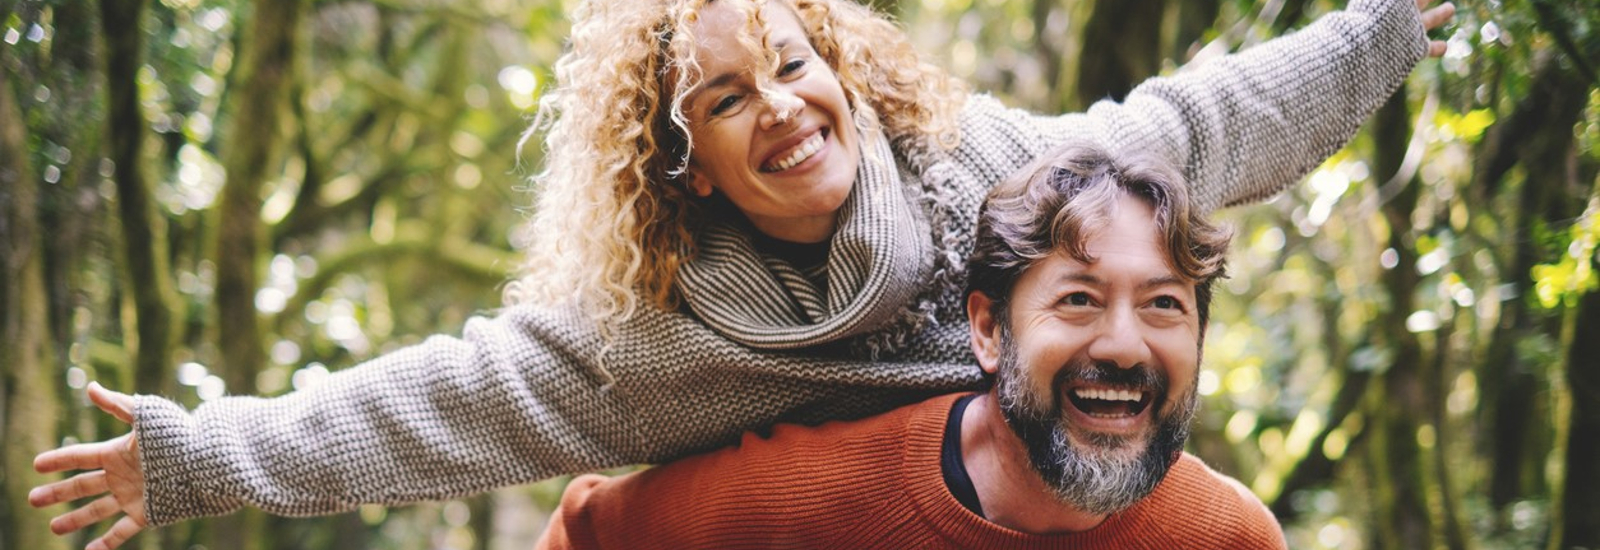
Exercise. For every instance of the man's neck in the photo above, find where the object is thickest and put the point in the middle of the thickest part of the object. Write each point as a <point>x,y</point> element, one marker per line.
<point>1012,493</point>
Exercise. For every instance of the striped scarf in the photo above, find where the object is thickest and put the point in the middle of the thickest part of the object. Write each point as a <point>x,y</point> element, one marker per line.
<point>881,267</point>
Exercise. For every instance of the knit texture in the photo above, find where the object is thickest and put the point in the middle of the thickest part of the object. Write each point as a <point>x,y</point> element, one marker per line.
<point>527,394</point>
<point>873,483</point>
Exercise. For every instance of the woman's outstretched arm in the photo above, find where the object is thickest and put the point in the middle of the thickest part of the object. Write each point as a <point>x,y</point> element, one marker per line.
<point>1245,126</point>
<point>517,398</point>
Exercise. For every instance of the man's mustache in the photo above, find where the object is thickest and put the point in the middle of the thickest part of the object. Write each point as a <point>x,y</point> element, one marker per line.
<point>1140,377</point>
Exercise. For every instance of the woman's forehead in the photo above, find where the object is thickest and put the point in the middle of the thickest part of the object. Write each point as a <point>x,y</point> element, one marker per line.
<point>739,34</point>
<point>735,20</point>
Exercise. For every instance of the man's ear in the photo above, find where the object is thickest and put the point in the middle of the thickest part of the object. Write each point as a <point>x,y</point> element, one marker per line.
<point>985,330</point>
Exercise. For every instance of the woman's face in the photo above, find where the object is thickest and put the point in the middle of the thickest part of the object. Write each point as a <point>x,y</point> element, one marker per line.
<point>785,156</point>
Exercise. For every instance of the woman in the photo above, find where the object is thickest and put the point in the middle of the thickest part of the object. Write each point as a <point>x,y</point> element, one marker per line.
<point>786,192</point>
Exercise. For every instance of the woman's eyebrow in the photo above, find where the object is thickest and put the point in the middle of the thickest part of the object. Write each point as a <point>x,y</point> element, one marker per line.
<point>716,82</point>
<point>724,78</point>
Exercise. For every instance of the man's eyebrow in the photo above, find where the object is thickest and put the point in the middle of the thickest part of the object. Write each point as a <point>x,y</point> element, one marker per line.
<point>1153,282</point>
<point>1084,278</point>
<point>1164,280</point>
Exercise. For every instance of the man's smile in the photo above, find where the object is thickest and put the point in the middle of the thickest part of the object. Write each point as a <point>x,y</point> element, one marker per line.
<point>1109,403</point>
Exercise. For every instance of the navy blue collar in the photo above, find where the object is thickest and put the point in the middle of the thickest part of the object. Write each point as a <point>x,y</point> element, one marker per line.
<point>950,462</point>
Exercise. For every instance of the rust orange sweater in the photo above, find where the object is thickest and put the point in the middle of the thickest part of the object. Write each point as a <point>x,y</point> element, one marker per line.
<point>872,483</point>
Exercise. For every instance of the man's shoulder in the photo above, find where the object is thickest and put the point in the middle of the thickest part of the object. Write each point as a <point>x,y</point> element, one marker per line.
<point>1197,501</point>
<point>835,484</point>
<point>892,425</point>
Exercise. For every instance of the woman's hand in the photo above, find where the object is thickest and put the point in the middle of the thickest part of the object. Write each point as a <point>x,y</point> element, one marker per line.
<point>1433,19</point>
<point>112,469</point>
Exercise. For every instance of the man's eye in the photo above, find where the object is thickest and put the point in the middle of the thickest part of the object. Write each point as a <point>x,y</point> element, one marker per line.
<point>1077,299</point>
<point>791,66</point>
<point>1167,302</point>
<point>724,104</point>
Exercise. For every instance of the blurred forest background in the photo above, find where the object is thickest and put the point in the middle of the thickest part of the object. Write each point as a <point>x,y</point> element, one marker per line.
<point>213,197</point>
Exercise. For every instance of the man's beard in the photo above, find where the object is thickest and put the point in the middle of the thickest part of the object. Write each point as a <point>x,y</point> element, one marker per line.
<point>1092,477</point>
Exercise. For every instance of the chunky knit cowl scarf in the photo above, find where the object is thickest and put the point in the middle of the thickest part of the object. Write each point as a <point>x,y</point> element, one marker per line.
<point>889,262</point>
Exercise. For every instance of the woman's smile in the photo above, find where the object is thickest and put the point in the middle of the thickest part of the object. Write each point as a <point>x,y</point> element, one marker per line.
<point>805,150</point>
<point>783,149</point>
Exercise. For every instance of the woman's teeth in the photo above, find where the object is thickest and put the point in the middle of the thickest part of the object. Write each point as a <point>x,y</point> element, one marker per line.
<point>797,155</point>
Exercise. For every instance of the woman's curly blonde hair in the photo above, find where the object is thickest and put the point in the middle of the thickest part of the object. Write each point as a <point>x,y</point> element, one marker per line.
<point>614,218</point>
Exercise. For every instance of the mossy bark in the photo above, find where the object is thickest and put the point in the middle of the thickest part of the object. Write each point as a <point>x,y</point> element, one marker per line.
<point>29,406</point>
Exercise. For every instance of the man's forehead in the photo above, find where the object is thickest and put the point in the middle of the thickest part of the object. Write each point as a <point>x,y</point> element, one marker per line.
<point>1142,270</point>
<point>1127,242</point>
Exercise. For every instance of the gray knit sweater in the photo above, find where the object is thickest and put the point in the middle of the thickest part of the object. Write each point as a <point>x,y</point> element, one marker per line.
<point>524,395</point>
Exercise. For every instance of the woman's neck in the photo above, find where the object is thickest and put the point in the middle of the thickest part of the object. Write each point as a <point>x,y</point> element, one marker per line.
<point>810,229</point>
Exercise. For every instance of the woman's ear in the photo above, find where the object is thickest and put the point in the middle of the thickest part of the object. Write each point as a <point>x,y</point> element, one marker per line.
<point>985,328</point>
<point>697,186</point>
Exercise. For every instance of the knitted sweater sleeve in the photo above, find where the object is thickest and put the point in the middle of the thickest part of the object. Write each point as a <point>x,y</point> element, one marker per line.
<point>517,398</point>
<point>1245,126</point>
<point>450,416</point>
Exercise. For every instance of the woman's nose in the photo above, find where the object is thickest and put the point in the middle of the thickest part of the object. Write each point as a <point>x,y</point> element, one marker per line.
<point>782,107</point>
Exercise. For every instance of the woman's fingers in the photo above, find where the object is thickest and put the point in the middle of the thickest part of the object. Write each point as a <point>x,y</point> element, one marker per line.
<point>113,467</point>
<point>78,486</point>
<point>118,404</point>
<point>83,456</point>
<point>1437,17</point>
<point>1434,19</point>
<point>123,530</point>
<point>102,508</point>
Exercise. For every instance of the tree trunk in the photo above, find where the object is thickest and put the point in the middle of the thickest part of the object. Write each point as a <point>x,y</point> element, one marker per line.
<point>1055,51</point>
<point>1580,506</point>
<point>251,157</point>
<point>1194,17</point>
<point>1397,462</point>
<point>1549,195</point>
<point>71,208</point>
<point>28,403</point>
<point>144,234</point>
<point>1121,48</point>
<point>1446,500</point>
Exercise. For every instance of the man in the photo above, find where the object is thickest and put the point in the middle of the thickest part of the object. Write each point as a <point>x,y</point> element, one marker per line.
<point>1088,292</point>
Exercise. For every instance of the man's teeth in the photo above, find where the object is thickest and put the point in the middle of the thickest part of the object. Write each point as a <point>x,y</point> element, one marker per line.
<point>1108,395</point>
<point>807,148</point>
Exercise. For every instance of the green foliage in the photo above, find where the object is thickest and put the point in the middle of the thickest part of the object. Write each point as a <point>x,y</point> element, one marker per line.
<point>1467,127</point>
<point>1562,283</point>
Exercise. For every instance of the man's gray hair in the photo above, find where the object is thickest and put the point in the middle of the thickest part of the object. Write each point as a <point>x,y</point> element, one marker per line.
<point>1057,201</point>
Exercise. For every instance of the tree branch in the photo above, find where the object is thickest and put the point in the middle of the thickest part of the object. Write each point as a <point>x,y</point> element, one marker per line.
<point>484,263</point>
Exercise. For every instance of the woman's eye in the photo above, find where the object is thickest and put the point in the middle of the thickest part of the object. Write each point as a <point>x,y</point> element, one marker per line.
<point>724,104</point>
<point>1077,299</point>
<point>791,66</point>
<point>1167,302</point>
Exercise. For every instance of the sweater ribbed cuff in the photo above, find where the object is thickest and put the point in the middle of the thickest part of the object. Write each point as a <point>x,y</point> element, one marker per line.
<point>172,464</point>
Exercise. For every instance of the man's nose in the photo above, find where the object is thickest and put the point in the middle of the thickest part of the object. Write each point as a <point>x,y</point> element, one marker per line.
<point>782,106</point>
<point>1119,339</point>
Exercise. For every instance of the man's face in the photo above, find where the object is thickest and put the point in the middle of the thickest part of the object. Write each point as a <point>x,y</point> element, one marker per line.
<point>1098,363</point>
